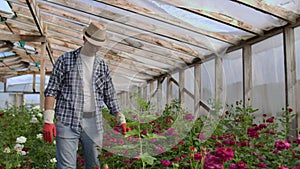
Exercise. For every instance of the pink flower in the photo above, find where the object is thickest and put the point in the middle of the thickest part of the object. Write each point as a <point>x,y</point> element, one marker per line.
<point>224,153</point>
<point>297,167</point>
<point>280,145</point>
<point>160,149</point>
<point>252,132</point>
<point>197,156</point>
<point>270,120</point>
<point>212,162</point>
<point>189,117</point>
<point>201,136</point>
<point>282,167</point>
<point>165,163</point>
<point>239,165</point>
<point>262,126</point>
<point>127,161</point>
<point>261,165</point>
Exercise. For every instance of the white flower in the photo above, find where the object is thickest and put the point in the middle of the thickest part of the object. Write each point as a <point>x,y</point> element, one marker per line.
<point>53,160</point>
<point>22,153</point>
<point>54,142</point>
<point>6,150</point>
<point>39,136</point>
<point>18,147</point>
<point>39,115</point>
<point>34,120</point>
<point>21,140</point>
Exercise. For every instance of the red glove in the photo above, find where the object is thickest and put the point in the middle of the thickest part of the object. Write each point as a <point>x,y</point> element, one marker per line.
<point>49,131</point>
<point>124,128</point>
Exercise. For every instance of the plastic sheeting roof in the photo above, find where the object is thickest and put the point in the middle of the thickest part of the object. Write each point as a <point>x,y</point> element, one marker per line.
<point>147,39</point>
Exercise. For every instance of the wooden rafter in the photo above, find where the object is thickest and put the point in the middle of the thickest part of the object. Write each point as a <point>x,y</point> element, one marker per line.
<point>35,14</point>
<point>124,4</point>
<point>16,37</point>
<point>147,26</point>
<point>276,11</point>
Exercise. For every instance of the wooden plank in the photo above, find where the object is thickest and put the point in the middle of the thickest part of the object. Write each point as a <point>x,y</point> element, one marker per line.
<point>123,4</point>
<point>169,89</point>
<point>197,88</point>
<point>16,37</point>
<point>276,11</point>
<point>159,94</point>
<point>291,77</point>
<point>42,76</point>
<point>132,22</point>
<point>225,19</point>
<point>181,86</point>
<point>132,67</point>
<point>177,49</point>
<point>247,75</point>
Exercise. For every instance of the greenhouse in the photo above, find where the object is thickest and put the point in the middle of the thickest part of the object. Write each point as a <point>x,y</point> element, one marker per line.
<point>207,84</point>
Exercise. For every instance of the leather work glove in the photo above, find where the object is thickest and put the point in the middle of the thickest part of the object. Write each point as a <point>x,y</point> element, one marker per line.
<point>49,129</point>
<point>122,121</point>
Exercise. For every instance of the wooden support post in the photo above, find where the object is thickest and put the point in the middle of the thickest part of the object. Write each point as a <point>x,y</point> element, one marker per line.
<point>219,79</point>
<point>290,75</point>
<point>152,90</point>
<point>17,100</point>
<point>197,88</point>
<point>181,86</point>
<point>159,93</point>
<point>247,75</point>
<point>169,89</point>
<point>145,92</point>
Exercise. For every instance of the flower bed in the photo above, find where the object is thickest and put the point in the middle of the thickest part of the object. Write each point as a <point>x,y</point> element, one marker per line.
<point>173,138</point>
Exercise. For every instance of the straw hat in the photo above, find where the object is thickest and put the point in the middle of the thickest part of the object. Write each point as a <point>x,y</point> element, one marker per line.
<point>95,33</point>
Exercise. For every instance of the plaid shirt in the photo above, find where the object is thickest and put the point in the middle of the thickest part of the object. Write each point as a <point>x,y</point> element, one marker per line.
<point>66,86</point>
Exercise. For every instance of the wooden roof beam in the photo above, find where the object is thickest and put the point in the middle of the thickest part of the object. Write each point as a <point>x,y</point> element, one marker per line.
<point>17,37</point>
<point>276,11</point>
<point>126,5</point>
<point>108,16</point>
<point>37,19</point>
<point>156,44</point>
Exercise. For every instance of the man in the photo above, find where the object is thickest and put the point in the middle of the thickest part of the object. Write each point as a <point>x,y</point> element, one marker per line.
<point>79,86</point>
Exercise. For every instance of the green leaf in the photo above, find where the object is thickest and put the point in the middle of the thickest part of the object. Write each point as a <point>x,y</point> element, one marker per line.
<point>147,158</point>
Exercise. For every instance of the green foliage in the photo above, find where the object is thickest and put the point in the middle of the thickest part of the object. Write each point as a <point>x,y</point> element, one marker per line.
<point>172,138</point>
<point>19,121</point>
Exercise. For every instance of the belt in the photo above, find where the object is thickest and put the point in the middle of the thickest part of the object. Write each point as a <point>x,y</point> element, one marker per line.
<point>88,114</point>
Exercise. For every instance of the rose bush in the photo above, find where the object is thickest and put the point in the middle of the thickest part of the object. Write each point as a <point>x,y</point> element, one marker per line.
<point>241,138</point>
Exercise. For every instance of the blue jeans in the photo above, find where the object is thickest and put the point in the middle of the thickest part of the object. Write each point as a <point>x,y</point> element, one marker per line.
<point>67,145</point>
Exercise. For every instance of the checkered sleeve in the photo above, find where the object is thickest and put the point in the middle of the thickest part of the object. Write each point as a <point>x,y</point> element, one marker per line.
<point>55,80</point>
<point>110,97</point>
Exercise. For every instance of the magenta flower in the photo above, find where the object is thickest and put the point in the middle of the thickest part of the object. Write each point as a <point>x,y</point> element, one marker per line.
<point>282,167</point>
<point>270,120</point>
<point>224,153</point>
<point>252,132</point>
<point>261,165</point>
<point>280,145</point>
<point>189,117</point>
<point>239,165</point>
<point>165,163</point>
<point>262,126</point>
<point>201,136</point>
<point>197,156</point>
<point>160,149</point>
<point>212,162</point>
<point>297,167</point>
